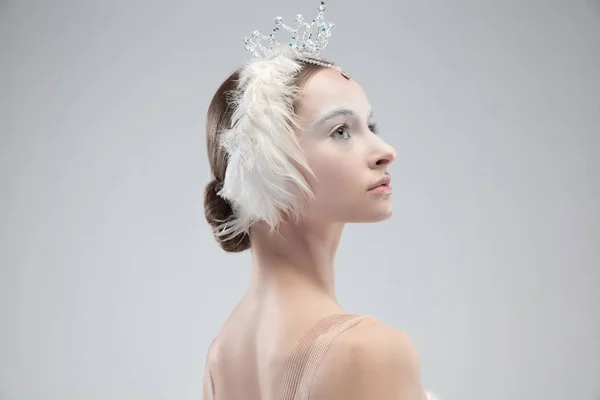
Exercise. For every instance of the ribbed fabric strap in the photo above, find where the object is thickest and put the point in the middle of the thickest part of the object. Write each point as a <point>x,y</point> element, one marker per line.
<point>208,390</point>
<point>208,385</point>
<point>308,353</point>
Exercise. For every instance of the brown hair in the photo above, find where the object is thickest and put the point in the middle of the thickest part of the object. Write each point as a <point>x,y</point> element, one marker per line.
<point>218,119</point>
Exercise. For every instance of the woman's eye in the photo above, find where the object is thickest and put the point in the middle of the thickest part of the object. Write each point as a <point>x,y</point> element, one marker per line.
<point>374,127</point>
<point>340,132</point>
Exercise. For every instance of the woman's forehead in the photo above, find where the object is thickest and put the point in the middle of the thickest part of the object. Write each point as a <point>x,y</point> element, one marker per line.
<point>328,88</point>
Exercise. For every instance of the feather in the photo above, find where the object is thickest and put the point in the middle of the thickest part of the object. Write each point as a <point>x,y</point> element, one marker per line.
<point>262,180</point>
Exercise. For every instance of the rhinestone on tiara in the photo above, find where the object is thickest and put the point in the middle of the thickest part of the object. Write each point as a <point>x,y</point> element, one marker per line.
<point>308,38</point>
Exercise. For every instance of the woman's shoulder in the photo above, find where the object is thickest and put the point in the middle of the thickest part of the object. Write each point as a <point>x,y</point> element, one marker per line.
<point>372,340</point>
<point>371,360</point>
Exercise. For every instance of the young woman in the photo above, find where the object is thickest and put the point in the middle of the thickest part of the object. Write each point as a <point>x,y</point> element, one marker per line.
<point>295,155</point>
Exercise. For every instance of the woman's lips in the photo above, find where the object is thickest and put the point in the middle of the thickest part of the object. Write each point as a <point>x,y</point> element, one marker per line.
<point>383,189</point>
<point>382,185</point>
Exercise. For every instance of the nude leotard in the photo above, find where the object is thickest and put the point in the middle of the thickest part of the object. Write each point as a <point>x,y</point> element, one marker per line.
<point>305,358</point>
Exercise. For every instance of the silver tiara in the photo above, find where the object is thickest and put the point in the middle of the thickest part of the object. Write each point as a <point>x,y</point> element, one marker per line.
<point>305,41</point>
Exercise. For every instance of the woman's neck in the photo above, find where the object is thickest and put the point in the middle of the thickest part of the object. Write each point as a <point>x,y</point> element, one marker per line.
<point>298,260</point>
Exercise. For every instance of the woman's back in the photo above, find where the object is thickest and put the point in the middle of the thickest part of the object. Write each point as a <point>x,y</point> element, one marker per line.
<point>292,357</point>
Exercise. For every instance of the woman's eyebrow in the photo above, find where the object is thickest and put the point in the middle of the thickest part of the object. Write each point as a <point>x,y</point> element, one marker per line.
<point>334,113</point>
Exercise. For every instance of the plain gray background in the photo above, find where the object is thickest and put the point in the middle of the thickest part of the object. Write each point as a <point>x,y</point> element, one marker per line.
<point>111,285</point>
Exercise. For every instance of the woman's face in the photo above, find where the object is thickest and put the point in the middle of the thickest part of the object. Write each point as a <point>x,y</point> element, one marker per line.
<point>347,157</point>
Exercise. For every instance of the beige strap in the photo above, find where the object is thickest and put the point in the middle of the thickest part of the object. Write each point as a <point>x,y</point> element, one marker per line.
<point>208,385</point>
<point>208,390</point>
<point>308,353</point>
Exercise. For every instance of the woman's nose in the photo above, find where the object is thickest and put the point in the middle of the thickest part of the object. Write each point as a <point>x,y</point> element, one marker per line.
<point>385,155</point>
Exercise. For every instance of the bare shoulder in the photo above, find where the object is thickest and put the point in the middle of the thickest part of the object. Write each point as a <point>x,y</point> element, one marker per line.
<point>370,360</point>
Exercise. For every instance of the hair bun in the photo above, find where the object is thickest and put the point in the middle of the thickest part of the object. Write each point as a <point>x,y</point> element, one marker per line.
<point>217,210</point>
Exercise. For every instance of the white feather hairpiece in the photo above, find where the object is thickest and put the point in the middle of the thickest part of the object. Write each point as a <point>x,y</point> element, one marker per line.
<point>262,179</point>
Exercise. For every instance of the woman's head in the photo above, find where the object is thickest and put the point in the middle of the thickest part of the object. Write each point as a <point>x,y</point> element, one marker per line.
<point>340,142</point>
<point>339,157</point>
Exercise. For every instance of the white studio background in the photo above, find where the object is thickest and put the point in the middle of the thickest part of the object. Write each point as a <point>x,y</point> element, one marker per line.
<point>111,285</point>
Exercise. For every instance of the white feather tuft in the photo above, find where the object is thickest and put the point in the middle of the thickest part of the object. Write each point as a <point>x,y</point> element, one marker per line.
<point>261,180</point>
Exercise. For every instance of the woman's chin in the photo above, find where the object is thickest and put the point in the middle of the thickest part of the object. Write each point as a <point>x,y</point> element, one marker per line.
<point>374,216</point>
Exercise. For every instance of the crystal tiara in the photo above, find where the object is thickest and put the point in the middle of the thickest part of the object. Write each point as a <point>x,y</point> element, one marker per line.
<point>308,39</point>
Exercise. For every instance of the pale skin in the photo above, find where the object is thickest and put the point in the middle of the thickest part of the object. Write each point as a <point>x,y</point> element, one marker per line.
<point>293,276</point>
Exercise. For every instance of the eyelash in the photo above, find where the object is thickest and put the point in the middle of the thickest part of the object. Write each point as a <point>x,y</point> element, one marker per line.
<point>374,127</point>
